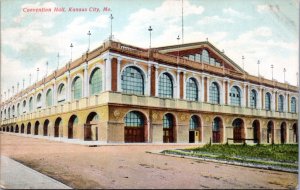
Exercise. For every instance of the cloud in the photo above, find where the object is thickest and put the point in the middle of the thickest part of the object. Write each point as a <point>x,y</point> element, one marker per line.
<point>234,13</point>
<point>214,19</point>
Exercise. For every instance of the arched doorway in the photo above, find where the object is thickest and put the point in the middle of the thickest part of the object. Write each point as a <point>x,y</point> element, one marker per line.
<point>90,128</point>
<point>73,121</point>
<point>57,125</point>
<point>169,128</point>
<point>36,128</point>
<point>194,129</point>
<point>283,133</point>
<point>22,128</point>
<point>12,129</point>
<point>135,129</point>
<point>217,130</point>
<point>7,128</point>
<point>295,133</point>
<point>29,128</point>
<point>238,130</point>
<point>270,132</point>
<point>45,128</point>
<point>17,129</point>
<point>256,131</point>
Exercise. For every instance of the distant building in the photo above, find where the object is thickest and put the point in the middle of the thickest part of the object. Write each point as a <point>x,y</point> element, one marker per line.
<point>174,94</point>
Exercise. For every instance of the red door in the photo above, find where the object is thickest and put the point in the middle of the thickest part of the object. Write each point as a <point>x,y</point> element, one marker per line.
<point>134,134</point>
<point>168,135</point>
<point>216,137</point>
<point>237,134</point>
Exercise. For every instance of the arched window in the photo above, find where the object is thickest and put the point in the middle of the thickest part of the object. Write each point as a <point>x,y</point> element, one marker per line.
<point>13,111</point>
<point>214,93</point>
<point>24,106</point>
<point>8,113</point>
<point>18,109</point>
<point>61,93</point>
<point>132,81</point>
<point>77,88</point>
<point>96,81</point>
<point>134,119</point>
<point>49,98</point>
<point>30,104</point>
<point>212,61</point>
<point>280,103</point>
<point>5,114</point>
<point>268,101</point>
<point>205,56</point>
<point>253,99</point>
<point>194,122</point>
<point>165,87</point>
<point>293,104</point>
<point>235,96</point>
<point>191,89</point>
<point>39,101</point>
<point>168,121</point>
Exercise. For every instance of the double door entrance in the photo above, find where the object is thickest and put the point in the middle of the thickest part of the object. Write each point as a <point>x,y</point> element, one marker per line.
<point>134,134</point>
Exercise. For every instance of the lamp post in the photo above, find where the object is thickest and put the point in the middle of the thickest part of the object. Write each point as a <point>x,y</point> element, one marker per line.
<point>150,30</point>
<point>178,38</point>
<point>89,34</point>
<point>258,62</point>
<point>111,18</point>
<point>272,67</point>
<point>284,70</point>
<point>71,46</point>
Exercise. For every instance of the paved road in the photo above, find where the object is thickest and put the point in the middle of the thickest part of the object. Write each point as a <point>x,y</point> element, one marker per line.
<point>14,175</point>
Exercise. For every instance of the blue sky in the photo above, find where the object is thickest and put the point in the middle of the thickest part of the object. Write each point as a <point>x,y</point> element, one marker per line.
<point>264,29</point>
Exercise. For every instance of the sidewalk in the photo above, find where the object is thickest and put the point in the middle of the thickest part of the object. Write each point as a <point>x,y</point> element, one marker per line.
<point>14,175</point>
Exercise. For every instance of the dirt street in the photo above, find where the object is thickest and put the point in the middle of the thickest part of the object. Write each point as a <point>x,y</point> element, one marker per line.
<point>131,167</point>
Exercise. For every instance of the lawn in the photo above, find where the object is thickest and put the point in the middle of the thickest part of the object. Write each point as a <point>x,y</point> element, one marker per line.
<point>283,155</point>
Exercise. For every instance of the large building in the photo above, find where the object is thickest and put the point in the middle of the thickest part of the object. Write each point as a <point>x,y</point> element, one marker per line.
<point>174,94</point>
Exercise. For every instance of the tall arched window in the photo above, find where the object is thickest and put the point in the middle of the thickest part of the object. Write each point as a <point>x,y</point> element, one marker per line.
<point>61,93</point>
<point>268,101</point>
<point>253,99</point>
<point>132,81</point>
<point>214,93</point>
<point>212,61</point>
<point>30,104</point>
<point>13,111</point>
<point>39,101</point>
<point>134,119</point>
<point>235,96</point>
<point>165,87</point>
<point>49,98</point>
<point>24,106</point>
<point>18,109</point>
<point>191,89</point>
<point>96,81</point>
<point>8,113</point>
<point>77,88</point>
<point>205,56</point>
<point>194,122</point>
<point>293,104</point>
<point>280,103</point>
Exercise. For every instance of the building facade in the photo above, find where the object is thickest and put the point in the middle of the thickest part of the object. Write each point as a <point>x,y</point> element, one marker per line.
<point>190,93</point>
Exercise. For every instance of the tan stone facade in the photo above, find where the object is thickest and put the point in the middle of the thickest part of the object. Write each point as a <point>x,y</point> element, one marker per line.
<point>102,116</point>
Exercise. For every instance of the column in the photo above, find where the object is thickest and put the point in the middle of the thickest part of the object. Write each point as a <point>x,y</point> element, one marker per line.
<point>148,83</point>
<point>54,93</point>
<point>286,105</point>
<point>244,96</point>
<point>207,89</point>
<point>202,89</point>
<point>184,85</point>
<point>156,80</point>
<point>273,101</point>
<point>85,80</point>
<point>108,73</point>
<point>119,74</point>
<point>259,99</point>
<point>177,95</point>
<point>68,97</point>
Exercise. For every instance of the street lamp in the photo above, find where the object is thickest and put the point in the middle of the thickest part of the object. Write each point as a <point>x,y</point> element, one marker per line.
<point>284,70</point>
<point>111,18</point>
<point>150,30</point>
<point>178,38</point>
<point>272,67</point>
<point>71,46</point>
<point>89,34</point>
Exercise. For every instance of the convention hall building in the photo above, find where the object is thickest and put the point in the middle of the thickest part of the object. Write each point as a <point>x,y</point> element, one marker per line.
<point>189,93</point>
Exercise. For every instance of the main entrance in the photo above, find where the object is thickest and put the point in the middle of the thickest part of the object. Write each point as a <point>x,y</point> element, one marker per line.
<point>216,130</point>
<point>168,128</point>
<point>57,125</point>
<point>238,130</point>
<point>270,132</point>
<point>73,121</point>
<point>45,128</point>
<point>256,131</point>
<point>283,133</point>
<point>194,129</point>
<point>134,130</point>
<point>90,128</point>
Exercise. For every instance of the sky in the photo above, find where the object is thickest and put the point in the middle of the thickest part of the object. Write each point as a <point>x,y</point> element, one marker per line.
<point>265,30</point>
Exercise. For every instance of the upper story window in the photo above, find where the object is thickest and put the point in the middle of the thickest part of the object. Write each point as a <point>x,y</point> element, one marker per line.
<point>13,111</point>
<point>253,99</point>
<point>77,88</point>
<point>293,104</point>
<point>191,89</point>
<point>192,57</point>
<point>4,114</point>
<point>134,119</point>
<point>18,109</point>
<point>61,93</point>
<point>165,86</point>
<point>30,104</point>
<point>39,101</point>
<point>49,98</point>
<point>197,57</point>
<point>24,106</point>
<point>212,61</point>
<point>132,81</point>
<point>96,81</point>
<point>8,112</point>
<point>235,96</point>
<point>194,122</point>
<point>214,93</point>
<point>205,56</point>
<point>268,101</point>
<point>280,103</point>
